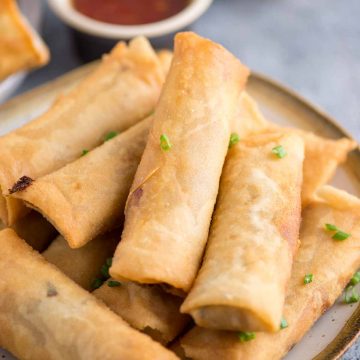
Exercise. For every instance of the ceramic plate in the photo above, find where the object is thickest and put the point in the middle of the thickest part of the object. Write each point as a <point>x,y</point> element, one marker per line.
<point>339,326</point>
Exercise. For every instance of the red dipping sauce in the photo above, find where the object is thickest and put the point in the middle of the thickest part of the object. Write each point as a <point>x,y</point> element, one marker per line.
<point>129,12</point>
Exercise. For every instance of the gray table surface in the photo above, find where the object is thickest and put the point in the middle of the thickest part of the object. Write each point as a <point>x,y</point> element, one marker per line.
<point>311,46</point>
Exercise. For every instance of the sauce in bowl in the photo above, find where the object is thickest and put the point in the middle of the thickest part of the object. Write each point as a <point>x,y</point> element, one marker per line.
<point>129,12</point>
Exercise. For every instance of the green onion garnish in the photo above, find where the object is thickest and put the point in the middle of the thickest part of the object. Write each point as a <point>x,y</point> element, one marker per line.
<point>351,296</point>
<point>110,135</point>
<point>331,227</point>
<point>246,336</point>
<point>355,279</point>
<point>105,268</point>
<point>308,278</point>
<point>96,283</point>
<point>279,151</point>
<point>113,283</point>
<point>84,152</point>
<point>165,143</point>
<point>284,324</point>
<point>340,235</point>
<point>234,139</point>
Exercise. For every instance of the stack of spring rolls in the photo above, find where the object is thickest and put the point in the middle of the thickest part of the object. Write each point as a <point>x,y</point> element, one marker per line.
<point>180,223</point>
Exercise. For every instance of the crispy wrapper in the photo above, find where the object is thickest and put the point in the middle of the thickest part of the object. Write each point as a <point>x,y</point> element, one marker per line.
<point>45,315</point>
<point>248,119</point>
<point>87,197</point>
<point>253,236</point>
<point>82,265</point>
<point>20,46</point>
<point>332,264</point>
<point>165,58</point>
<point>171,200</point>
<point>147,308</point>
<point>118,94</point>
<point>322,154</point>
<point>80,180</point>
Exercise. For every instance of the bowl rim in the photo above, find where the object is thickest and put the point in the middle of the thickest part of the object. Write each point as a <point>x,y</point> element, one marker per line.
<point>66,12</point>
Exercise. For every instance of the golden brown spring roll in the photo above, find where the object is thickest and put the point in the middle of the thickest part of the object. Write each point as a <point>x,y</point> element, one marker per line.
<point>82,265</point>
<point>322,154</point>
<point>145,307</point>
<point>165,58</point>
<point>253,236</point>
<point>332,263</point>
<point>171,200</point>
<point>35,230</point>
<point>248,118</point>
<point>80,180</point>
<point>119,93</point>
<point>45,315</point>
<point>20,46</point>
<point>87,197</point>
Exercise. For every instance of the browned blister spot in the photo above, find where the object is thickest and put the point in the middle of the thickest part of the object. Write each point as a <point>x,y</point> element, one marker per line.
<point>51,290</point>
<point>21,184</point>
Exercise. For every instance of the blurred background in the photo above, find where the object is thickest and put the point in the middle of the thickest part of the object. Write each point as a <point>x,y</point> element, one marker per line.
<point>310,46</point>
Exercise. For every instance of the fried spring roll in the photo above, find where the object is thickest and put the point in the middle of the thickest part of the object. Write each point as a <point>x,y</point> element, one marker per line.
<point>87,197</point>
<point>119,93</point>
<point>165,57</point>
<point>332,264</point>
<point>145,307</point>
<point>45,315</point>
<point>82,265</point>
<point>322,154</point>
<point>21,48</point>
<point>253,236</point>
<point>249,119</point>
<point>171,200</point>
<point>80,180</point>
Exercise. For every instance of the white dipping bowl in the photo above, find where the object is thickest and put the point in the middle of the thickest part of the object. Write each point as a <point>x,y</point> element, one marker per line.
<point>65,10</point>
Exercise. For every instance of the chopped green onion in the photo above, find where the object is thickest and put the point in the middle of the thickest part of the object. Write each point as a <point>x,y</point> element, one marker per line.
<point>105,271</point>
<point>279,151</point>
<point>246,336</point>
<point>110,135</point>
<point>340,235</point>
<point>351,296</point>
<point>331,227</point>
<point>84,152</point>
<point>113,283</point>
<point>234,139</point>
<point>308,278</point>
<point>105,268</point>
<point>165,143</point>
<point>96,283</point>
<point>284,324</point>
<point>355,279</point>
<point>108,262</point>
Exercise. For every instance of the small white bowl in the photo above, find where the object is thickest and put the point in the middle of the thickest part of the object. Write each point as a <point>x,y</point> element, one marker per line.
<point>65,10</point>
